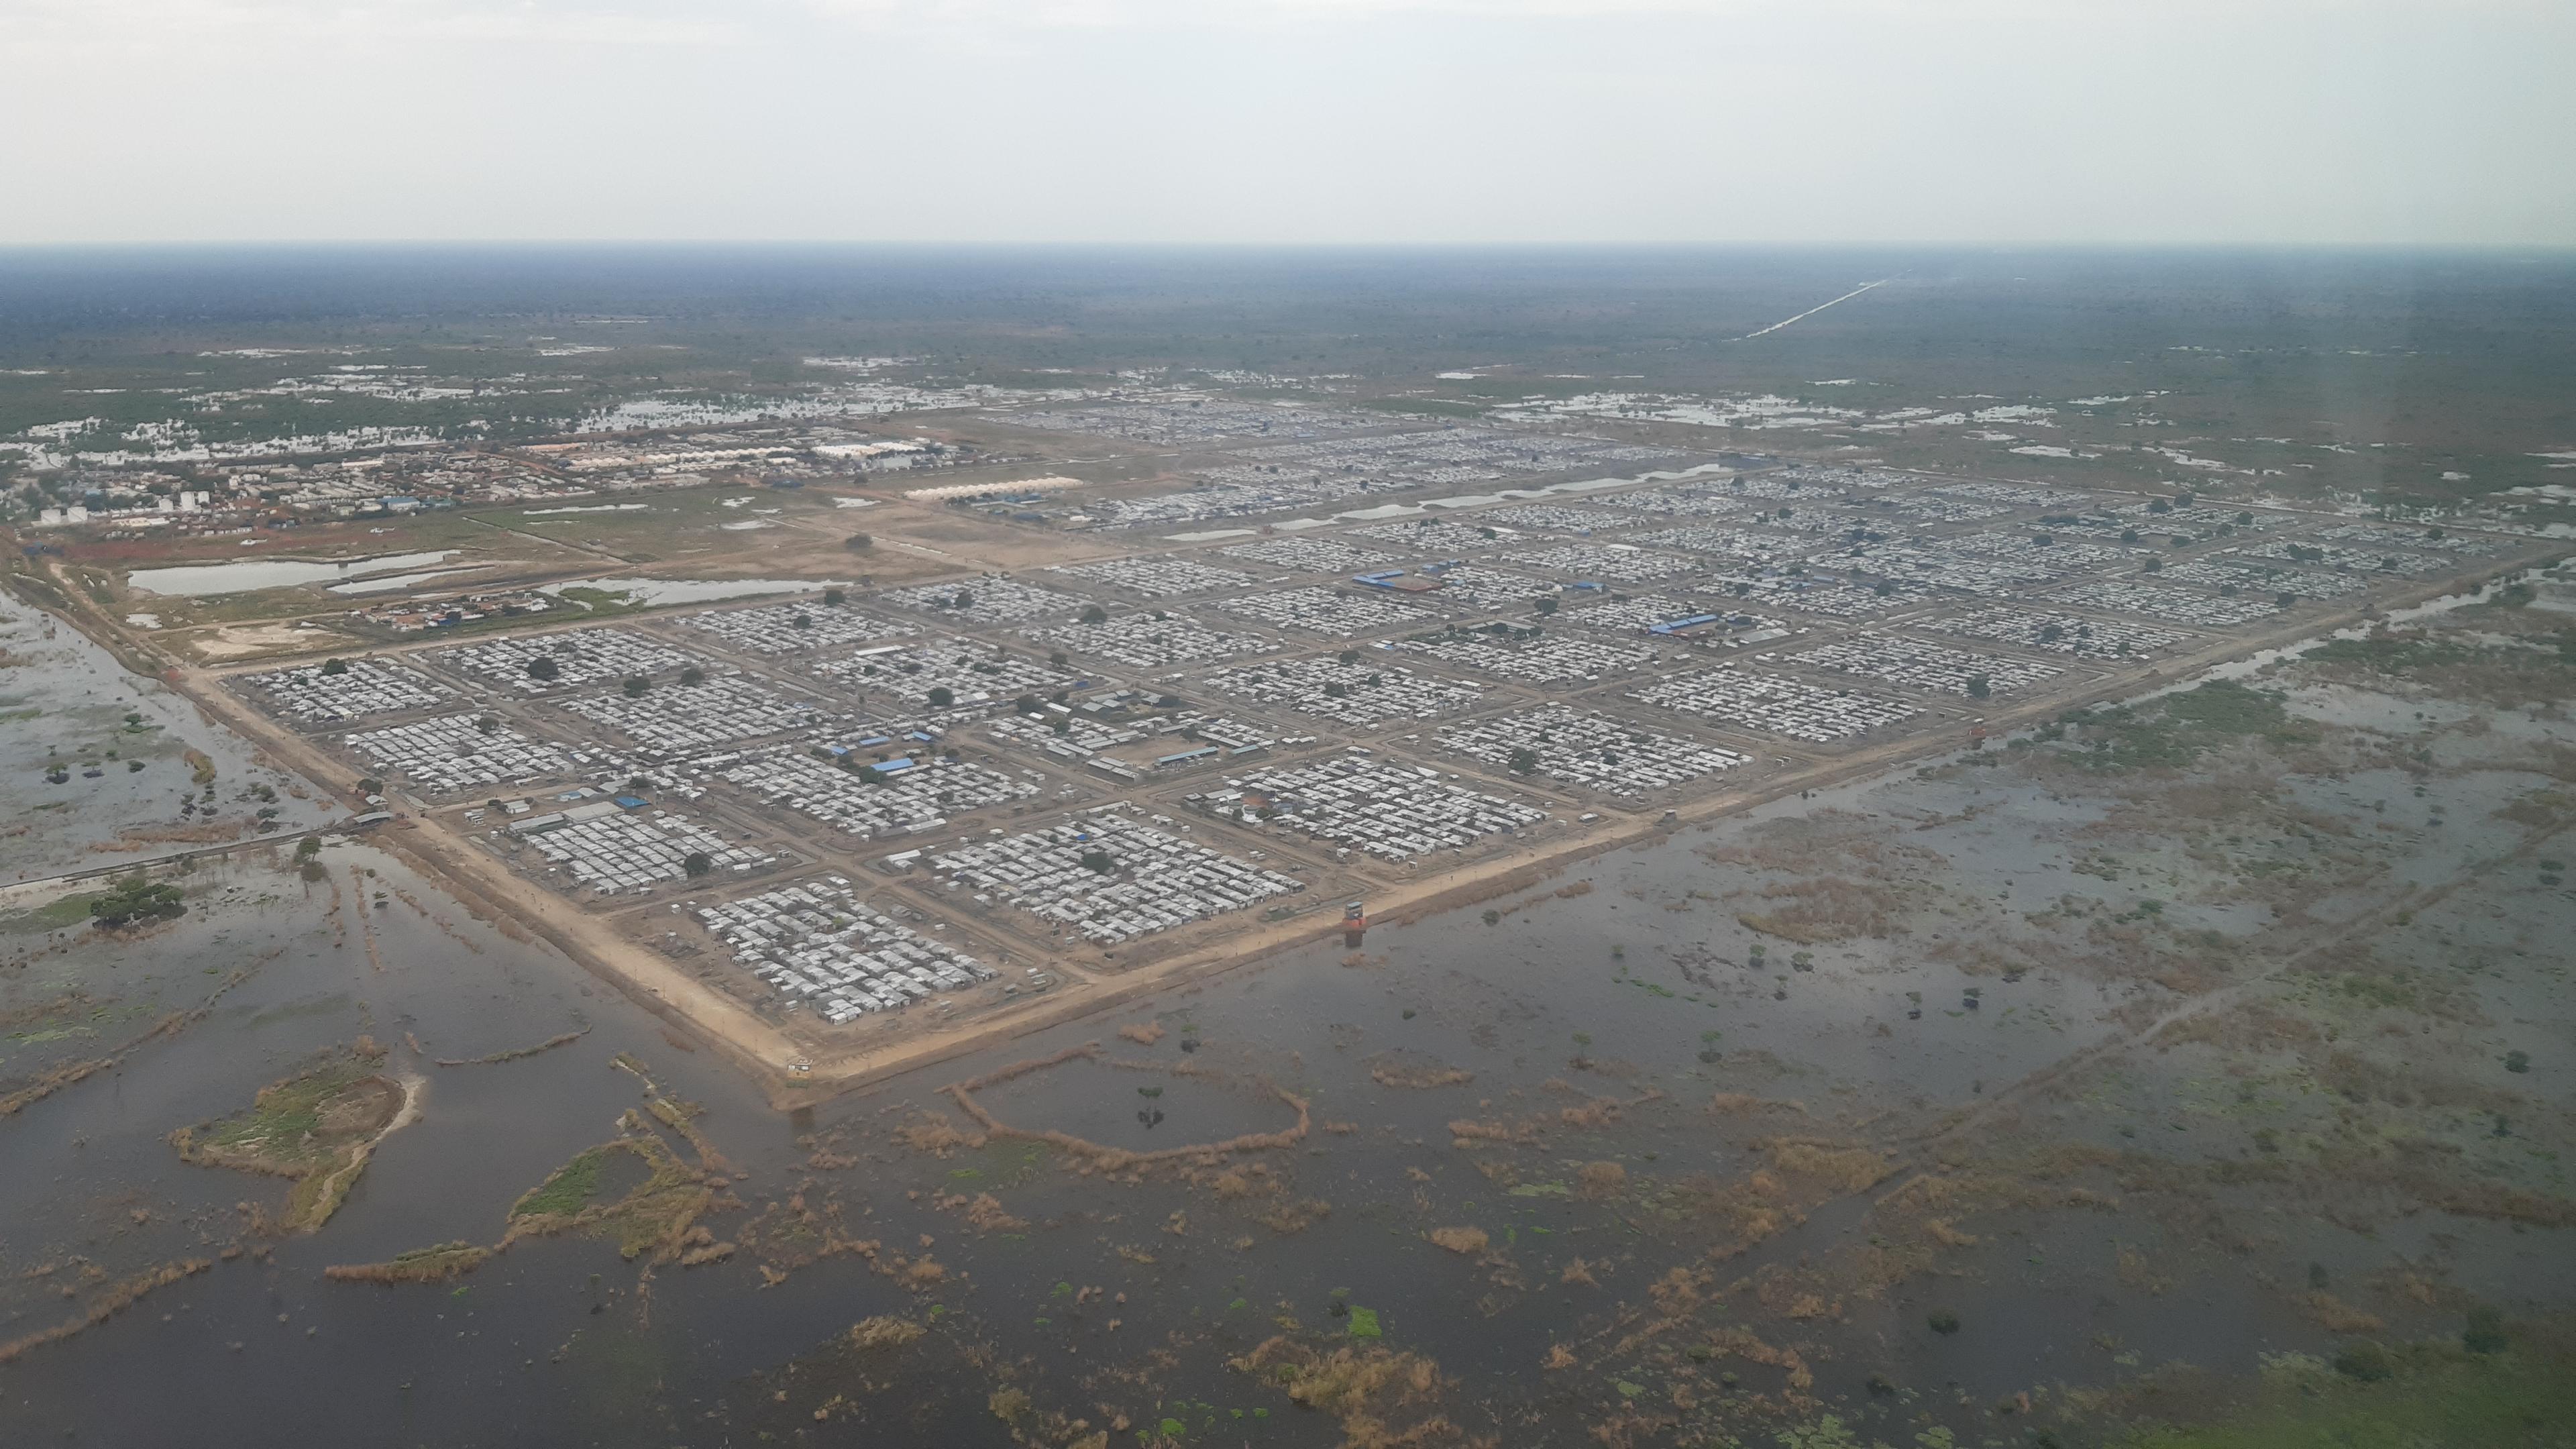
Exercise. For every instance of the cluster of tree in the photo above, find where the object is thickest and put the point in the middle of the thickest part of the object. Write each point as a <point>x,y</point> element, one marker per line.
<point>136,898</point>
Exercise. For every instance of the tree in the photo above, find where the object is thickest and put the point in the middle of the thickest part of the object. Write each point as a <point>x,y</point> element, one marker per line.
<point>309,847</point>
<point>1524,761</point>
<point>941,696</point>
<point>136,898</point>
<point>860,543</point>
<point>335,666</point>
<point>1098,862</point>
<point>488,724</point>
<point>803,621</point>
<point>1978,687</point>
<point>1547,603</point>
<point>2155,566</point>
<point>834,598</point>
<point>698,864</point>
<point>371,786</point>
<point>544,667</point>
<point>1028,704</point>
<point>692,676</point>
<point>2128,535</point>
<point>963,600</point>
<point>636,685</point>
<point>1094,614</point>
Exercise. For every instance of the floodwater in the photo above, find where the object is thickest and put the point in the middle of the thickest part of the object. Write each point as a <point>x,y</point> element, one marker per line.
<point>248,575</point>
<point>1595,1022</point>
<point>64,704</point>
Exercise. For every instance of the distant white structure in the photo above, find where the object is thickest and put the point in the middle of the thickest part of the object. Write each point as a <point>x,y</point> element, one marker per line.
<point>946,491</point>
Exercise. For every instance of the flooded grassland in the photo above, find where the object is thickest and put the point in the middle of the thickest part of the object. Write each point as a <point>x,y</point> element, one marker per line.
<point>2186,1072</point>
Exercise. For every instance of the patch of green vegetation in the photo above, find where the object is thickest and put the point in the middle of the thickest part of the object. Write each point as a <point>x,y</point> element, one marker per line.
<point>136,898</point>
<point>2423,1397</point>
<point>2498,673</point>
<point>57,915</point>
<point>566,1190</point>
<point>1364,1323</point>
<point>652,1216</point>
<point>316,1127</point>
<point>2173,731</point>
<point>285,1120</point>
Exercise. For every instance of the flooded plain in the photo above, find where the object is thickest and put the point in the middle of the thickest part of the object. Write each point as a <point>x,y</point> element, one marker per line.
<point>2094,1078</point>
<point>99,766</point>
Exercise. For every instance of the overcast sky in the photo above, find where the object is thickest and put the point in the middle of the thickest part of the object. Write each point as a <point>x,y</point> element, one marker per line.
<point>2367,121</point>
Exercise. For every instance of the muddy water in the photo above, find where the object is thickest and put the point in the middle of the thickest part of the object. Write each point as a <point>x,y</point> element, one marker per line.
<point>63,706</point>
<point>1591,1027</point>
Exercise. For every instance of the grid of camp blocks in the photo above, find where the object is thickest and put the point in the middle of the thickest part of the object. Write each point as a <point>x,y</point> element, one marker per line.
<point>874,802</point>
<point>1617,562</point>
<point>2380,538</point>
<point>581,656</point>
<point>2180,606</point>
<point>1774,704</point>
<point>1393,811</point>
<point>2062,633</point>
<point>672,719</point>
<point>816,943</point>
<point>2056,556</point>
<point>1557,517</point>
<point>362,687</point>
<point>1360,695</point>
<point>974,674</point>
<point>1933,508</point>
<point>1587,748</point>
<point>1310,555</point>
<point>454,753</point>
<point>1187,739</point>
<point>1147,880</point>
<point>1913,664</point>
<point>1830,596</point>
<point>623,851</point>
<point>1546,659</point>
<point>1725,542</point>
<point>2231,571</point>
<point>1436,536</point>
<point>2012,497</point>
<point>2201,520</point>
<point>1331,612</point>
<point>1157,578</point>
<point>1148,640</point>
<point>1687,501</point>
<point>992,599</point>
<point>2343,558</point>
<point>1490,590</point>
<point>795,628</point>
<point>1812,478</point>
<point>1450,455</point>
<point>1233,492</point>
<point>1944,564</point>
